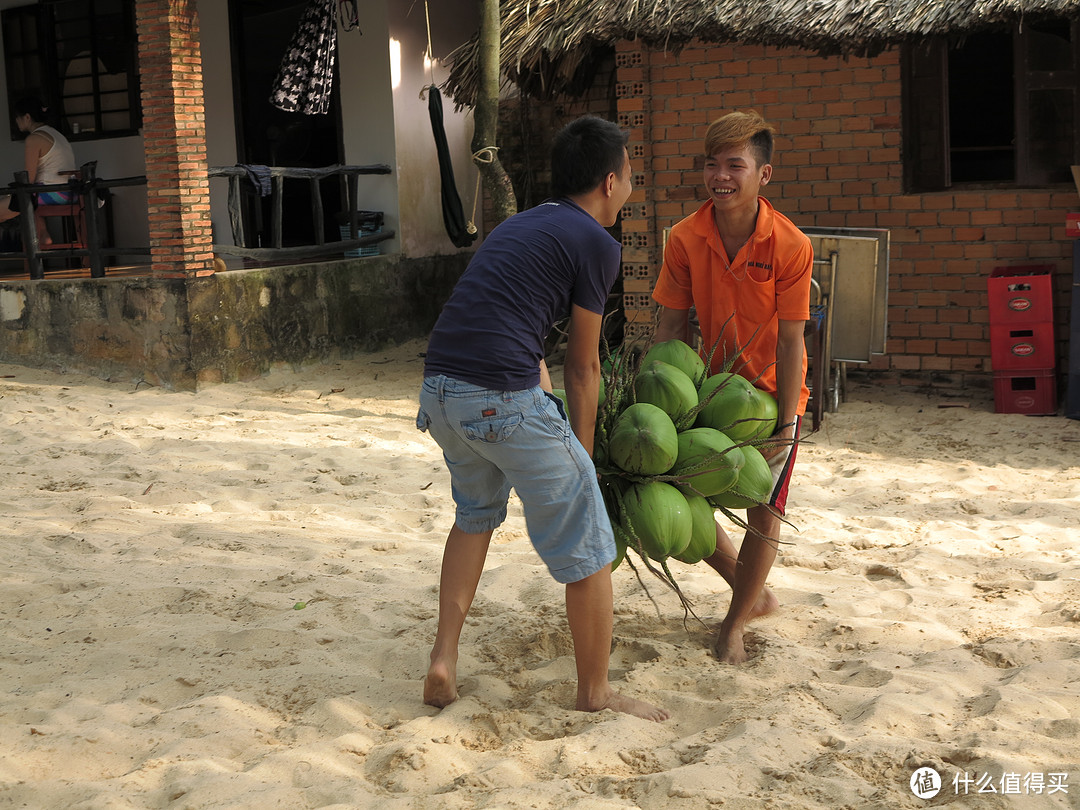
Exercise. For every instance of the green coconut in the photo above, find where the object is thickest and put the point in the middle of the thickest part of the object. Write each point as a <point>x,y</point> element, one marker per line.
<point>708,462</point>
<point>667,387</point>
<point>620,548</point>
<point>561,394</point>
<point>643,440</point>
<point>754,485</point>
<point>770,413</point>
<point>734,408</point>
<point>659,516</point>
<point>703,532</point>
<point>680,355</point>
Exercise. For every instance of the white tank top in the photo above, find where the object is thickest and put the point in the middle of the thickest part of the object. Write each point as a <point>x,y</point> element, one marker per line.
<point>59,158</point>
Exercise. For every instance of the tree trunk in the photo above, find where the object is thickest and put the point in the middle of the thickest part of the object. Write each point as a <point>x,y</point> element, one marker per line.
<point>486,116</point>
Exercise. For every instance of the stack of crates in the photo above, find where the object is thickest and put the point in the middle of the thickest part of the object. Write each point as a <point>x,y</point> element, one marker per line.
<point>1022,339</point>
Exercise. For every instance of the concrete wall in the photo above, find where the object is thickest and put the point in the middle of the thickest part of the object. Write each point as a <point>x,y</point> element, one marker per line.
<point>184,333</point>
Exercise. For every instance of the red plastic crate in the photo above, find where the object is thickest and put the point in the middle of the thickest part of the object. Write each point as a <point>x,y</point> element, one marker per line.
<point>1022,346</point>
<point>1021,294</point>
<point>1030,392</point>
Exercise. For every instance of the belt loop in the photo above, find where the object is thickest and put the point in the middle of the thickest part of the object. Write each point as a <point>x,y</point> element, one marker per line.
<point>440,388</point>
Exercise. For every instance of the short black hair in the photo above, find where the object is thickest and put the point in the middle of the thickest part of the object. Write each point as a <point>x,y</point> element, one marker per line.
<point>31,106</point>
<point>585,152</point>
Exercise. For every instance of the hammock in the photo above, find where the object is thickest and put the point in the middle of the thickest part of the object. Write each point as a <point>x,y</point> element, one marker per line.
<point>453,215</point>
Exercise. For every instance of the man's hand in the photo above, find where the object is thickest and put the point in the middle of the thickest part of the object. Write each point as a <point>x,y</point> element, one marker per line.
<point>782,439</point>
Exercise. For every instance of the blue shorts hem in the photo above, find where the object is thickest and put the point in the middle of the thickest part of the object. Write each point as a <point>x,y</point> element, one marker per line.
<point>479,526</point>
<point>583,569</point>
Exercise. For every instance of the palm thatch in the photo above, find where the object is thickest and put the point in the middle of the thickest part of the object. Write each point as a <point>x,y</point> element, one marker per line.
<point>549,47</point>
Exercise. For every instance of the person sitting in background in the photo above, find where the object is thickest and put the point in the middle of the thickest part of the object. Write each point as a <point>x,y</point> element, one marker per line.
<point>48,160</point>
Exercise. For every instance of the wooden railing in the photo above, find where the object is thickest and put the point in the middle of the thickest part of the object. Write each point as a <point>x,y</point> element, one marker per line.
<point>92,189</point>
<point>239,176</point>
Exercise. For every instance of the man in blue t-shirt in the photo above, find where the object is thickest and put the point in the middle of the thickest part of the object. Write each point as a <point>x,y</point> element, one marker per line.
<point>486,400</point>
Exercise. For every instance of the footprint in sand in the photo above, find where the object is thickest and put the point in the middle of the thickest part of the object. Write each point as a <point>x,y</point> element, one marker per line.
<point>879,571</point>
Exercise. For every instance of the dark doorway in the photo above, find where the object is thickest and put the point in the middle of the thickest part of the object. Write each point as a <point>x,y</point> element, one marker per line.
<point>260,33</point>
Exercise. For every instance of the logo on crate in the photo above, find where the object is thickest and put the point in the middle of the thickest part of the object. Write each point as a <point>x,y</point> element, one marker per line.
<point>1023,350</point>
<point>1025,402</point>
<point>1019,304</point>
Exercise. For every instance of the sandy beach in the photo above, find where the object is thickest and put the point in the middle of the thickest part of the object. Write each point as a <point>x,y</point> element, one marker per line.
<point>226,599</point>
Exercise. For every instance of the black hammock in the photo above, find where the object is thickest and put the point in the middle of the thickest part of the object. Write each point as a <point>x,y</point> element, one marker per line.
<point>453,215</point>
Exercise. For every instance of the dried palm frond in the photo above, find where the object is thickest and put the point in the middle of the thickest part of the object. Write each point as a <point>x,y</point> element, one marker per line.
<point>549,47</point>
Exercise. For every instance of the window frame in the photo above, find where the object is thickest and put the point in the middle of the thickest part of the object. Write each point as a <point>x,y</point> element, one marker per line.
<point>38,69</point>
<point>927,141</point>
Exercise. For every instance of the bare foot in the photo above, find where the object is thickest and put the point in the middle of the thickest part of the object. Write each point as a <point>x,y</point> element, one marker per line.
<point>729,647</point>
<point>626,705</point>
<point>765,604</point>
<point>440,685</point>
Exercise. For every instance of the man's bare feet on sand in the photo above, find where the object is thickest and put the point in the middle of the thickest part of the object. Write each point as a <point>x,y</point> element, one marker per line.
<point>765,604</point>
<point>729,646</point>
<point>440,685</point>
<point>624,704</point>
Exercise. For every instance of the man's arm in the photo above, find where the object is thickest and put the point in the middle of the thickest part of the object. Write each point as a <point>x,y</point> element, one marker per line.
<point>673,324</point>
<point>545,377</point>
<point>581,374</point>
<point>789,380</point>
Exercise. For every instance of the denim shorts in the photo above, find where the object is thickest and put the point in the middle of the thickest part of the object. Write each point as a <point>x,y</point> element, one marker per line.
<point>495,440</point>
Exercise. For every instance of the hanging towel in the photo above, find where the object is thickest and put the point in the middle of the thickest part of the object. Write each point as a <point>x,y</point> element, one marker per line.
<point>259,176</point>
<point>306,75</point>
<point>453,215</point>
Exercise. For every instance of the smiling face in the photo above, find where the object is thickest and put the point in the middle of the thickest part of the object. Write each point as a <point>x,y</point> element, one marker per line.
<point>733,177</point>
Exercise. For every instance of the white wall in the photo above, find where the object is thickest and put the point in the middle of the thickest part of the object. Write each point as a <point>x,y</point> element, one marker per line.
<point>220,112</point>
<point>419,187</point>
<point>367,112</point>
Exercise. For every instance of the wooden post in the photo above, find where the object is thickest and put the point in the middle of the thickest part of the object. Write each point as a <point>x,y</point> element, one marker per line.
<point>88,171</point>
<point>28,225</point>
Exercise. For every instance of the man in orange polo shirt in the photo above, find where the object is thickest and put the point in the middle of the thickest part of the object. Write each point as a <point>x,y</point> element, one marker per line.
<point>737,261</point>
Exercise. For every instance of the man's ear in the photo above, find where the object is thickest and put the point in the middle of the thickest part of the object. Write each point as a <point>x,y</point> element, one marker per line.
<point>609,184</point>
<point>766,174</point>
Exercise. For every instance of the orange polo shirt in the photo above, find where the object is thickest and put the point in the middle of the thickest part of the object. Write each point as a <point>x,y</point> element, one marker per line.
<point>768,279</point>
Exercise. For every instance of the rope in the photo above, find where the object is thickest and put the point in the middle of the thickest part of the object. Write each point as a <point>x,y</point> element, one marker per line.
<point>484,155</point>
<point>430,56</point>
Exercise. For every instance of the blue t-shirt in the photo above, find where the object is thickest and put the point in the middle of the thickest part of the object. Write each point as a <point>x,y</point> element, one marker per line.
<point>521,281</point>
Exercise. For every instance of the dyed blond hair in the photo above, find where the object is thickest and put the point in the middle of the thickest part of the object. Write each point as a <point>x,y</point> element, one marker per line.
<point>740,129</point>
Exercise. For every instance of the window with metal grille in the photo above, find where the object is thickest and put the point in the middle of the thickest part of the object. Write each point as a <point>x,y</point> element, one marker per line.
<point>80,58</point>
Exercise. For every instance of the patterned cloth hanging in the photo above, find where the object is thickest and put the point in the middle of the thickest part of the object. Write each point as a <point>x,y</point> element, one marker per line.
<point>306,75</point>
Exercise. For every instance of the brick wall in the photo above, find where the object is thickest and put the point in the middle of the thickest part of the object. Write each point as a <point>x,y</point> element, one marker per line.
<point>174,133</point>
<point>838,163</point>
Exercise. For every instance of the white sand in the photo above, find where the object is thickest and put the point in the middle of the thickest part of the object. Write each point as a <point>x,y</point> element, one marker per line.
<point>227,599</point>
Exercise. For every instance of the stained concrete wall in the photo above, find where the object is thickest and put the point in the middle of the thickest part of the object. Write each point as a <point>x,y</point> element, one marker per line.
<point>234,325</point>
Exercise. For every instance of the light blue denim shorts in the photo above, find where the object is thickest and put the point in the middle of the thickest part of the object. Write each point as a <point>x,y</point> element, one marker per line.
<point>495,440</point>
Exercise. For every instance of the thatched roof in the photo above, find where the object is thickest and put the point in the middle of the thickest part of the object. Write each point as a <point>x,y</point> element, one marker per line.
<point>549,46</point>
